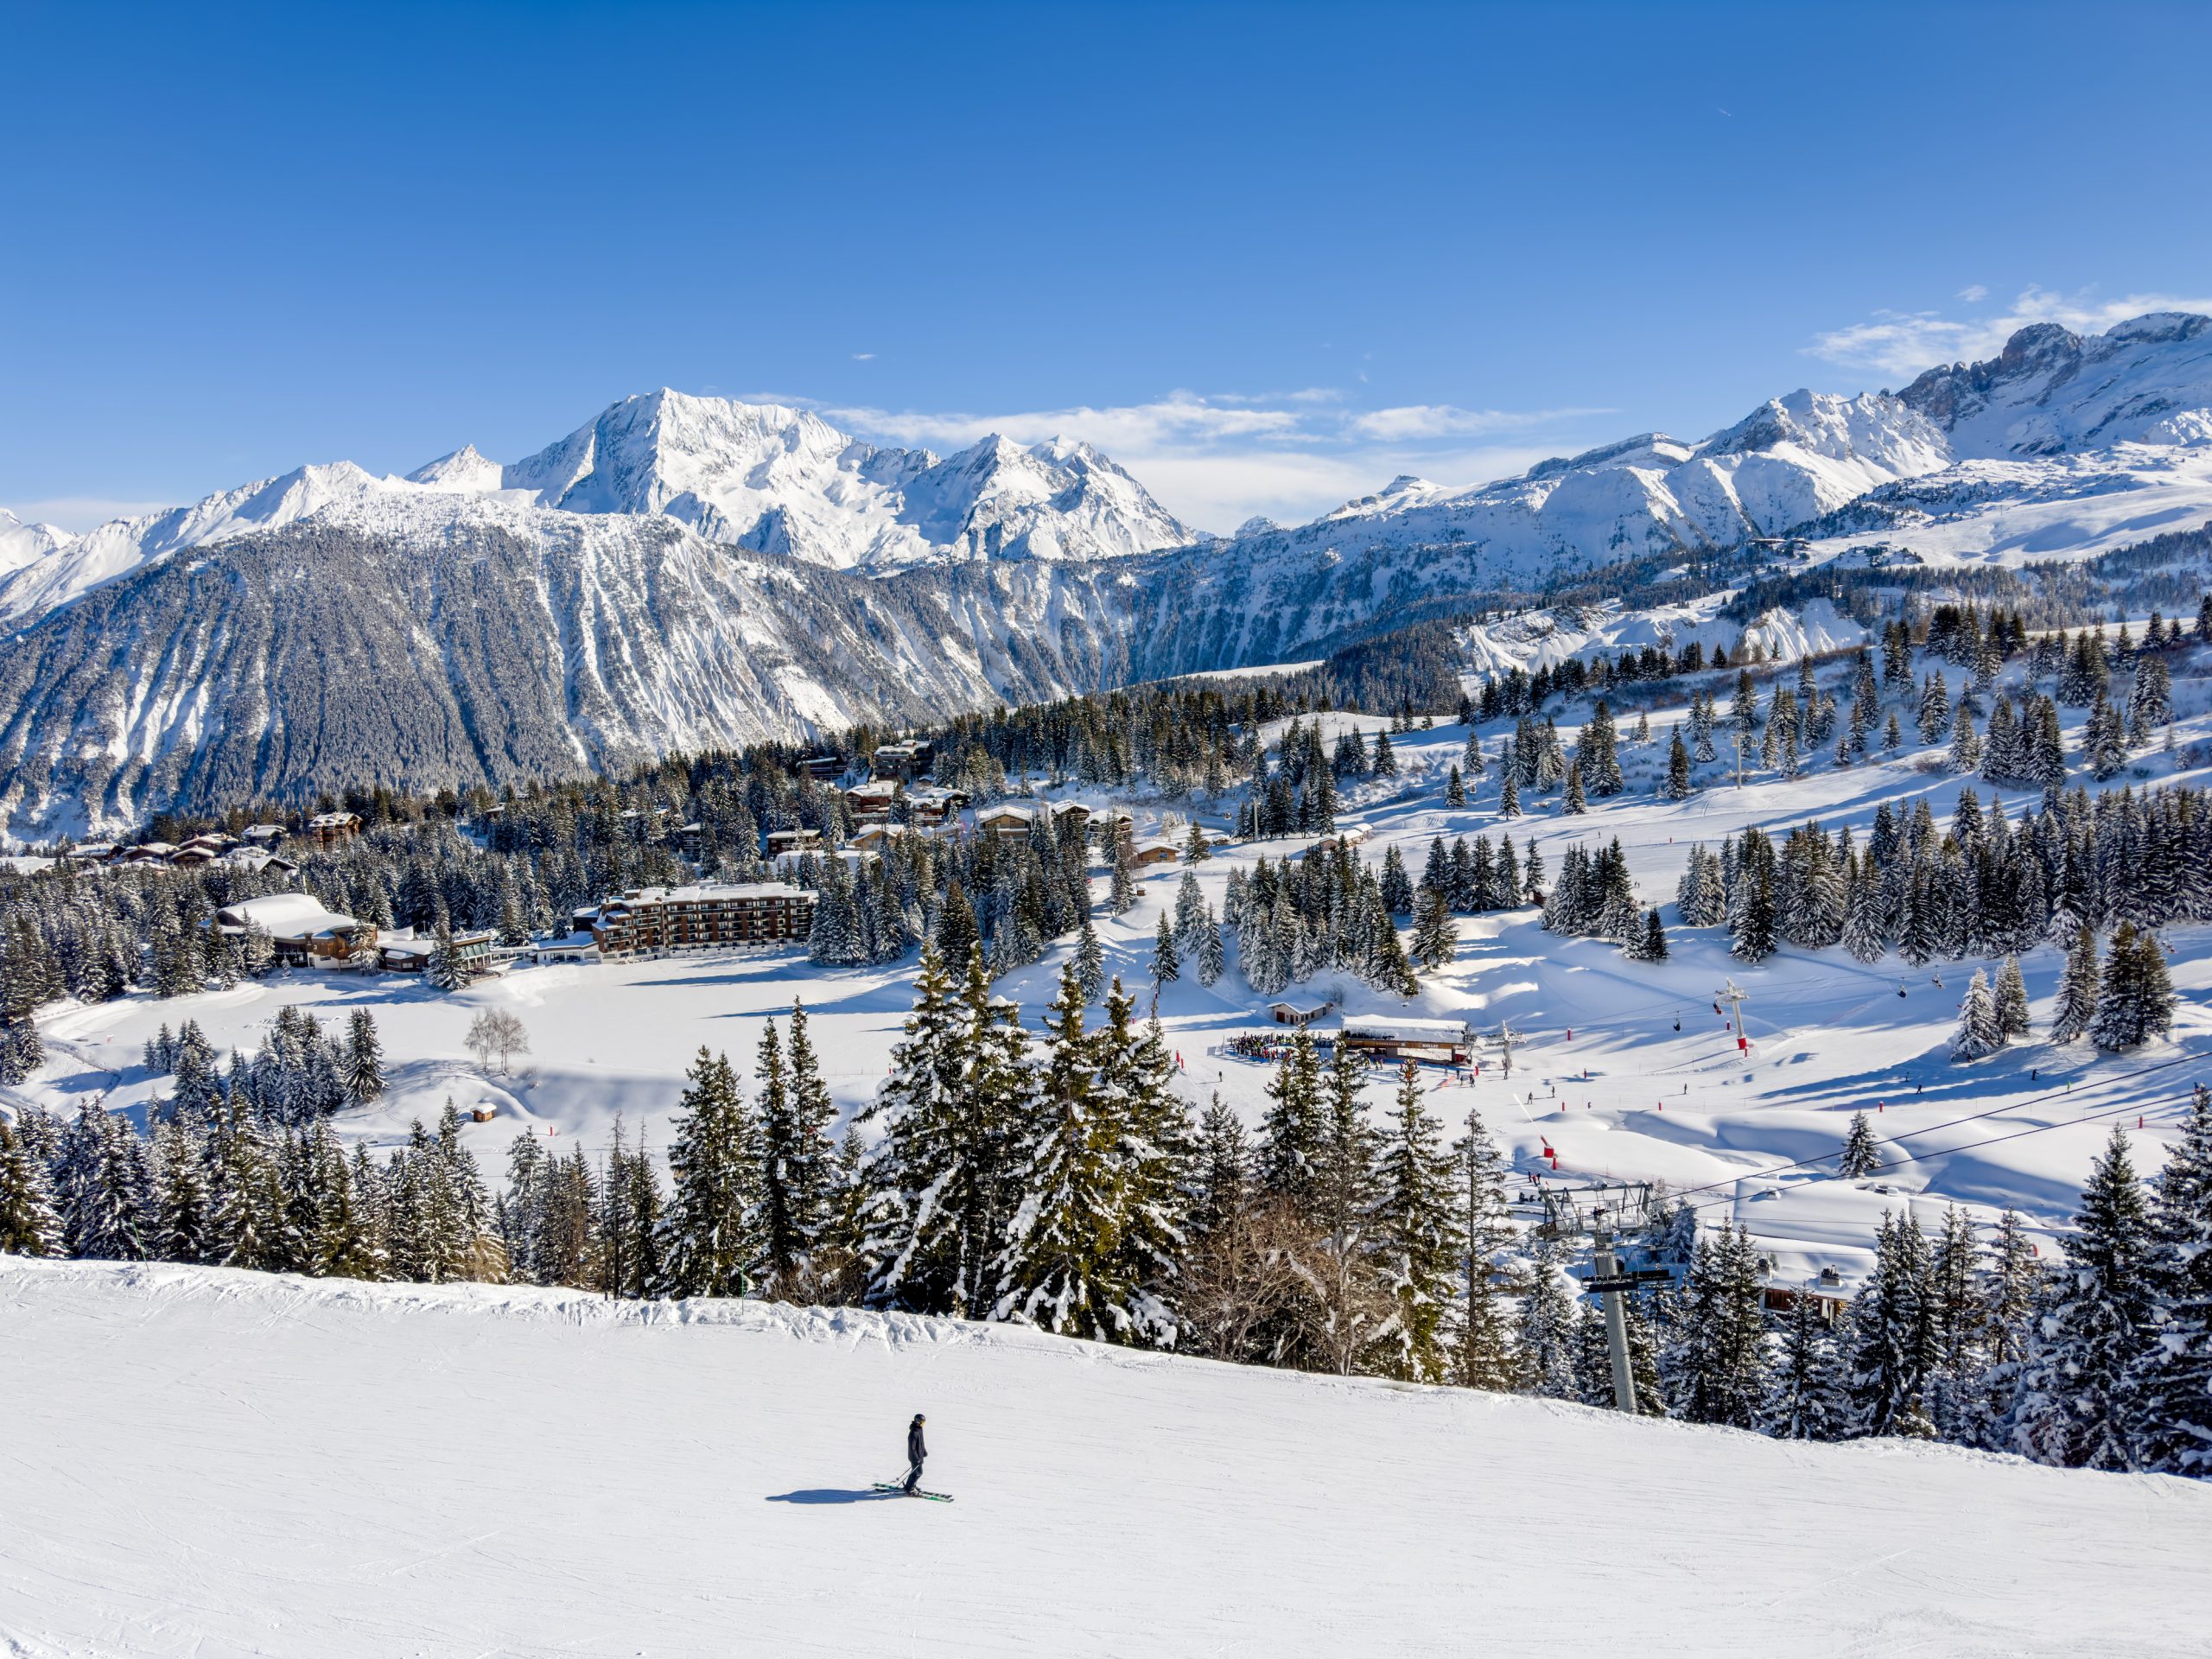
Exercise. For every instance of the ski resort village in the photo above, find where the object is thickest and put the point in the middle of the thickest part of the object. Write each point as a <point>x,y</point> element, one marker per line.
<point>1056,891</point>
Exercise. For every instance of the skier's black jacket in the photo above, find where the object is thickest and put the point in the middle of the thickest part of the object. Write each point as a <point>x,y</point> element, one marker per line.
<point>915,1450</point>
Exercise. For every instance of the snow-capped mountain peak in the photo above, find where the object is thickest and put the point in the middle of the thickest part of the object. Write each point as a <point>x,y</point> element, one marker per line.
<point>2051,391</point>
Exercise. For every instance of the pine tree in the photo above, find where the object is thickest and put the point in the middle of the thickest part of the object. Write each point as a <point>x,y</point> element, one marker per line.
<point>1057,1269</point>
<point>1678,786</point>
<point>2135,998</point>
<point>1862,1152</point>
<point>1546,1343</point>
<point>1807,1396</point>
<point>1482,1354</point>
<point>1455,791</point>
<point>1719,1363</point>
<point>1893,1328</point>
<point>1090,961</point>
<point>1166,966</point>
<point>2172,1388</point>
<point>445,970</point>
<point>1978,1033</point>
<point>2076,1404</point>
<point>712,1237</point>
<point>2011,1002</point>
<point>363,1068</point>
<point>184,1222</point>
<point>28,1223</point>
<point>2077,990</point>
<point>1211,959</point>
<point>1290,1135</point>
<point>1436,936</point>
<point>1417,1233</point>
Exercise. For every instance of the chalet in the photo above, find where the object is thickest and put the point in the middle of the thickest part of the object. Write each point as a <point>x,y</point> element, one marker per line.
<point>784,844</point>
<point>258,859</point>
<point>303,930</point>
<point>188,858</point>
<point>1156,852</point>
<point>907,760</point>
<point>262,835</point>
<point>935,806</point>
<point>1004,822</point>
<point>823,768</point>
<point>1826,1289</point>
<point>1299,1014</point>
<point>705,916</point>
<point>878,838</point>
<point>1446,1041</point>
<point>329,829</point>
<point>92,852</point>
<point>872,801</point>
<point>147,852</point>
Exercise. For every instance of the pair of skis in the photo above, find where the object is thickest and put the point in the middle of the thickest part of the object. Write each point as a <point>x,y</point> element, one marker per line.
<point>892,1486</point>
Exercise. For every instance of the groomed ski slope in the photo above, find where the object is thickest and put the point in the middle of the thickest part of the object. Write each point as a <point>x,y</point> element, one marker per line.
<point>214,1463</point>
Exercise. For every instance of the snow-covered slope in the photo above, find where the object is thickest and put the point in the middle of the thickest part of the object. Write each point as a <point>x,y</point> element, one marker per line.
<point>223,1464</point>
<point>2051,391</point>
<point>2015,511</point>
<point>1534,639</point>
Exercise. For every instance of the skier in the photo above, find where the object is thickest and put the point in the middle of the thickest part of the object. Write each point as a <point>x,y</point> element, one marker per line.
<point>916,1450</point>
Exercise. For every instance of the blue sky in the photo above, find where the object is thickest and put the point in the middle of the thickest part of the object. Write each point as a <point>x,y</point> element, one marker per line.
<point>1267,257</point>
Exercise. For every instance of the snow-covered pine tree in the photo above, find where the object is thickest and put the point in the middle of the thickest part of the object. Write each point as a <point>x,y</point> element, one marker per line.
<point>2172,1388</point>
<point>1090,961</point>
<point>1481,1344</point>
<point>1059,1267</point>
<point>1678,785</point>
<point>1978,1033</point>
<point>1545,1349</point>
<point>2076,1404</point>
<point>1893,1331</point>
<point>1807,1396</point>
<point>711,1234</point>
<point>184,1218</point>
<point>1417,1233</point>
<point>1718,1364</point>
<point>1953,1291</point>
<point>445,970</point>
<point>2135,997</point>
<point>1167,964</point>
<point>2011,1002</point>
<point>1436,936</point>
<point>1290,1134</point>
<point>2077,989</point>
<point>1862,1152</point>
<point>364,1067</point>
<point>29,1225</point>
<point>1211,958</point>
<point>1123,886</point>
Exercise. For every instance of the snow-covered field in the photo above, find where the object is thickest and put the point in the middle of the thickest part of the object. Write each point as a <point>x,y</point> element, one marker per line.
<point>1623,1070</point>
<point>220,1463</point>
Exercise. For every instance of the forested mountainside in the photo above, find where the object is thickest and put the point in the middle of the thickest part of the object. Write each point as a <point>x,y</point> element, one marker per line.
<point>498,648</point>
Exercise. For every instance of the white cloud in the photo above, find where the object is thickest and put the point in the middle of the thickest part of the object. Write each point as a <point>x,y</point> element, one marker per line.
<point>863,357</point>
<point>1217,459</point>
<point>1416,421</point>
<point>1973,292</point>
<point>1900,344</point>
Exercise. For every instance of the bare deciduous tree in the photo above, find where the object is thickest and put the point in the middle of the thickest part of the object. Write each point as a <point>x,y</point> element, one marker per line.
<point>496,1033</point>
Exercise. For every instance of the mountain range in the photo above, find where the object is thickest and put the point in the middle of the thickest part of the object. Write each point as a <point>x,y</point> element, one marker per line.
<point>685,572</point>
